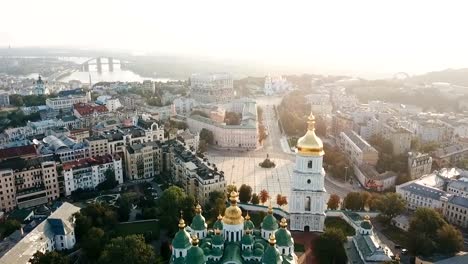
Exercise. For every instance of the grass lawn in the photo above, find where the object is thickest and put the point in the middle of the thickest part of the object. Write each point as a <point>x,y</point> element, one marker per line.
<point>138,228</point>
<point>396,235</point>
<point>339,223</point>
<point>299,247</point>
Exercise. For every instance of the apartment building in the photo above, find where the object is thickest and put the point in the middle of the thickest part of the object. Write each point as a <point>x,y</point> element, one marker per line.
<point>87,173</point>
<point>28,182</point>
<point>357,149</point>
<point>143,161</point>
<point>98,146</point>
<point>198,177</point>
<point>399,136</point>
<point>419,164</point>
<point>341,122</point>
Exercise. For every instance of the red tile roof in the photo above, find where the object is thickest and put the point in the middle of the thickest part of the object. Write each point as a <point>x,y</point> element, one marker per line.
<point>87,162</point>
<point>88,109</point>
<point>22,151</point>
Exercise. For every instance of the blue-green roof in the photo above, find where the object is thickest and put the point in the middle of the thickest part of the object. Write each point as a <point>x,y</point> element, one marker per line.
<point>218,225</point>
<point>232,253</point>
<point>217,240</point>
<point>269,223</point>
<point>249,225</point>
<point>195,255</point>
<point>247,239</point>
<point>181,239</point>
<point>271,256</point>
<point>283,238</point>
<point>198,223</point>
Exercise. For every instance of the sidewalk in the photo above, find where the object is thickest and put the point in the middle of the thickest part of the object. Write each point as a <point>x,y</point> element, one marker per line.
<point>285,146</point>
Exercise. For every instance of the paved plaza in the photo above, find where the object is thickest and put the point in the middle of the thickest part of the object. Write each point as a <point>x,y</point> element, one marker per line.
<point>240,170</point>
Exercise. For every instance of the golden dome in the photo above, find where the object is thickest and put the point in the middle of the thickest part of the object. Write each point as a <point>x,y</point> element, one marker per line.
<point>272,239</point>
<point>220,217</point>
<point>310,144</point>
<point>233,214</point>
<point>247,217</point>
<point>181,223</point>
<point>283,223</point>
<point>198,209</point>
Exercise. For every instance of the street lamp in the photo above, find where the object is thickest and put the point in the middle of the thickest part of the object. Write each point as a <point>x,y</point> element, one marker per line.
<point>346,173</point>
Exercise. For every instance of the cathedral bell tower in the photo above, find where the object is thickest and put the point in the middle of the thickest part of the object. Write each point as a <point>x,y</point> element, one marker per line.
<point>308,195</point>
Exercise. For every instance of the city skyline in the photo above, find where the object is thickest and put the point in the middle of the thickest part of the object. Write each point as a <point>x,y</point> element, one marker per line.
<point>362,38</point>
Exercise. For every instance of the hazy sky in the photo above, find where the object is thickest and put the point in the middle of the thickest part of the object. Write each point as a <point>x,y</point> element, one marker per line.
<point>329,36</point>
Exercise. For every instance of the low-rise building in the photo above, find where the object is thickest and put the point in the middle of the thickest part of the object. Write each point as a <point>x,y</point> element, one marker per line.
<point>67,99</point>
<point>371,179</point>
<point>98,146</point>
<point>184,105</point>
<point>88,173</point>
<point>242,136</point>
<point>399,136</point>
<point>28,182</point>
<point>450,155</point>
<point>341,122</point>
<point>358,150</point>
<point>418,195</point>
<point>458,187</point>
<point>63,147</point>
<point>456,210</point>
<point>419,164</point>
<point>56,233</point>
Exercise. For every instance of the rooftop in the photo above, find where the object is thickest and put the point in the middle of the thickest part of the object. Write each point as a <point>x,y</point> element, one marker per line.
<point>358,140</point>
<point>88,109</point>
<point>88,162</point>
<point>26,164</point>
<point>36,239</point>
<point>29,150</point>
<point>459,200</point>
<point>424,191</point>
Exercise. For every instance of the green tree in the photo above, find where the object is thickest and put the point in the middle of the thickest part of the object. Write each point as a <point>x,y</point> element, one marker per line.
<point>255,199</point>
<point>333,202</point>
<point>353,201</point>
<point>329,246</point>
<point>93,243</point>
<point>172,201</point>
<point>51,257</point>
<point>202,146</point>
<point>216,204</point>
<point>129,249</point>
<point>124,208</point>
<point>423,231</point>
<point>10,226</point>
<point>390,205</point>
<point>94,215</point>
<point>245,193</point>
<point>207,136</point>
<point>449,239</point>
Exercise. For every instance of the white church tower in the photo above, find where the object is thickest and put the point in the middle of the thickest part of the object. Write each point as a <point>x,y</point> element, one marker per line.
<point>308,195</point>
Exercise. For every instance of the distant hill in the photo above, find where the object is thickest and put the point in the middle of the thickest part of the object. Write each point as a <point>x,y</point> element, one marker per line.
<point>453,76</point>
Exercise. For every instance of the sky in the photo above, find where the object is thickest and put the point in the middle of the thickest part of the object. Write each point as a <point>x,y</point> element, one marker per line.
<point>353,37</point>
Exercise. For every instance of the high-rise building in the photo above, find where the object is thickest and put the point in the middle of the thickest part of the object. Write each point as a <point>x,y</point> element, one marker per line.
<point>308,195</point>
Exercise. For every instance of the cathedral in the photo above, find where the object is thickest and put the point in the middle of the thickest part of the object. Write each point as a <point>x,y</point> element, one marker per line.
<point>234,239</point>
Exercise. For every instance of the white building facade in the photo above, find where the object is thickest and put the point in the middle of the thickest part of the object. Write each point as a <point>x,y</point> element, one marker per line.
<point>308,195</point>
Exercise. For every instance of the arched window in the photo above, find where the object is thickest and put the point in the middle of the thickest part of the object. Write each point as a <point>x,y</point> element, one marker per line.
<point>309,164</point>
<point>307,204</point>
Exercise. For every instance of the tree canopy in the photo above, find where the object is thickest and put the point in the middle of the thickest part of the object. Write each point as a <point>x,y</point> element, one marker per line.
<point>390,205</point>
<point>130,249</point>
<point>329,246</point>
<point>172,201</point>
<point>430,233</point>
<point>245,193</point>
<point>333,202</point>
<point>51,257</point>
